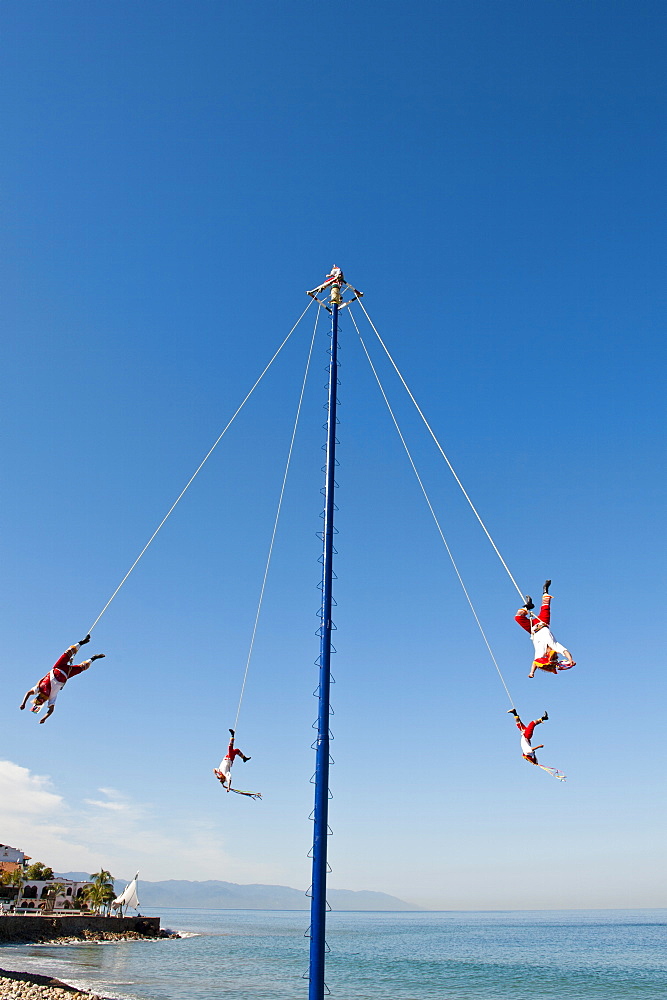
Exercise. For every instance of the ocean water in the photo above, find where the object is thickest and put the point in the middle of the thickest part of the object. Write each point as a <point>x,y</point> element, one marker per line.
<point>262,955</point>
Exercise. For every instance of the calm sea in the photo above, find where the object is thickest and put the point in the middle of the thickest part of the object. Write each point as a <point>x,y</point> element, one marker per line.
<point>262,955</point>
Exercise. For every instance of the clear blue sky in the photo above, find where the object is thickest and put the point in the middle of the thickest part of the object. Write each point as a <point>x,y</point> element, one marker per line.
<point>492,176</point>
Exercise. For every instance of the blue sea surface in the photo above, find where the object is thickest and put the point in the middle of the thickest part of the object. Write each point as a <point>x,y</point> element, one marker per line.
<point>263,955</point>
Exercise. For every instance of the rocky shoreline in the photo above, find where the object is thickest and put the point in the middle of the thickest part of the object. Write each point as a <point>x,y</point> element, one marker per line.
<point>28,986</point>
<point>93,937</point>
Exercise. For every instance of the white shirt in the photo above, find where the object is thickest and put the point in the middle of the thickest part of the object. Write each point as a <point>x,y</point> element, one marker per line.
<point>541,639</point>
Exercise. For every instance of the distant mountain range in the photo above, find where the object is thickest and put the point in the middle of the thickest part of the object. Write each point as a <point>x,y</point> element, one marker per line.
<point>214,895</point>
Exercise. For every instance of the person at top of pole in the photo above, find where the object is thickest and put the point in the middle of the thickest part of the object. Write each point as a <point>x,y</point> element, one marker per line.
<point>545,645</point>
<point>52,683</point>
<point>527,750</point>
<point>224,772</point>
<point>334,277</point>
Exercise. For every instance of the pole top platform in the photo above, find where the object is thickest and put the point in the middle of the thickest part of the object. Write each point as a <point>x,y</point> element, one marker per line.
<point>335,283</point>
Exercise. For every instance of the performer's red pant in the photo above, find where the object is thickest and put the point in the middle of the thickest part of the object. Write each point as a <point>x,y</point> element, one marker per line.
<point>527,730</point>
<point>544,616</point>
<point>232,752</point>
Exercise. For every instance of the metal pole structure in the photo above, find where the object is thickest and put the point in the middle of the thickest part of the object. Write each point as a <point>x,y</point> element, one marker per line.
<point>318,906</point>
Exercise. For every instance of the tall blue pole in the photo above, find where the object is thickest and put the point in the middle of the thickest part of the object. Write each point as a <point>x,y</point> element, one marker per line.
<point>318,905</point>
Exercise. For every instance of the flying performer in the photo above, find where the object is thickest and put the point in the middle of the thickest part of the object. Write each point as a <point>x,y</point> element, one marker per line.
<point>52,683</point>
<point>527,749</point>
<point>224,772</point>
<point>545,645</point>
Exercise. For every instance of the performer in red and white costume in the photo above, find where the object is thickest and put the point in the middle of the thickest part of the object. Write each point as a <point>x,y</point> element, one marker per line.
<point>49,687</point>
<point>545,645</point>
<point>224,772</point>
<point>527,750</point>
<point>334,277</point>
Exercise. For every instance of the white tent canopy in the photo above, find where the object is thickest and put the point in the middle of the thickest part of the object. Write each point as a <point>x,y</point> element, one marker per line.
<point>129,895</point>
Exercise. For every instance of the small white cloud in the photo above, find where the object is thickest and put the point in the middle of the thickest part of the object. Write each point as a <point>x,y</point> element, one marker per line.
<point>115,806</point>
<point>111,793</point>
<point>115,801</point>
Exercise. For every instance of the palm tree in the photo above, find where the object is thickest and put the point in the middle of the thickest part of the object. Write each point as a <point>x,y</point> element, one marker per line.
<point>98,896</point>
<point>17,877</point>
<point>79,901</point>
<point>102,877</point>
<point>55,889</point>
<point>101,892</point>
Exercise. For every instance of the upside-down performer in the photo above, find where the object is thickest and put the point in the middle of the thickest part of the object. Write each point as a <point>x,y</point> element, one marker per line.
<point>527,749</point>
<point>224,772</point>
<point>50,686</point>
<point>545,645</point>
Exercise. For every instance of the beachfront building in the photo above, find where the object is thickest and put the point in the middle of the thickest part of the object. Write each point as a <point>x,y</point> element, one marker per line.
<point>38,895</point>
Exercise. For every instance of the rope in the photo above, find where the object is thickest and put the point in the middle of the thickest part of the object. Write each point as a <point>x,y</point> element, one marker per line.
<point>199,468</point>
<point>275,523</point>
<point>433,514</point>
<point>441,450</point>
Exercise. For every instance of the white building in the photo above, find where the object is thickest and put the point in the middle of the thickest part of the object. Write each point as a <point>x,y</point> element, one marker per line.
<point>8,853</point>
<point>11,858</point>
<point>38,895</point>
